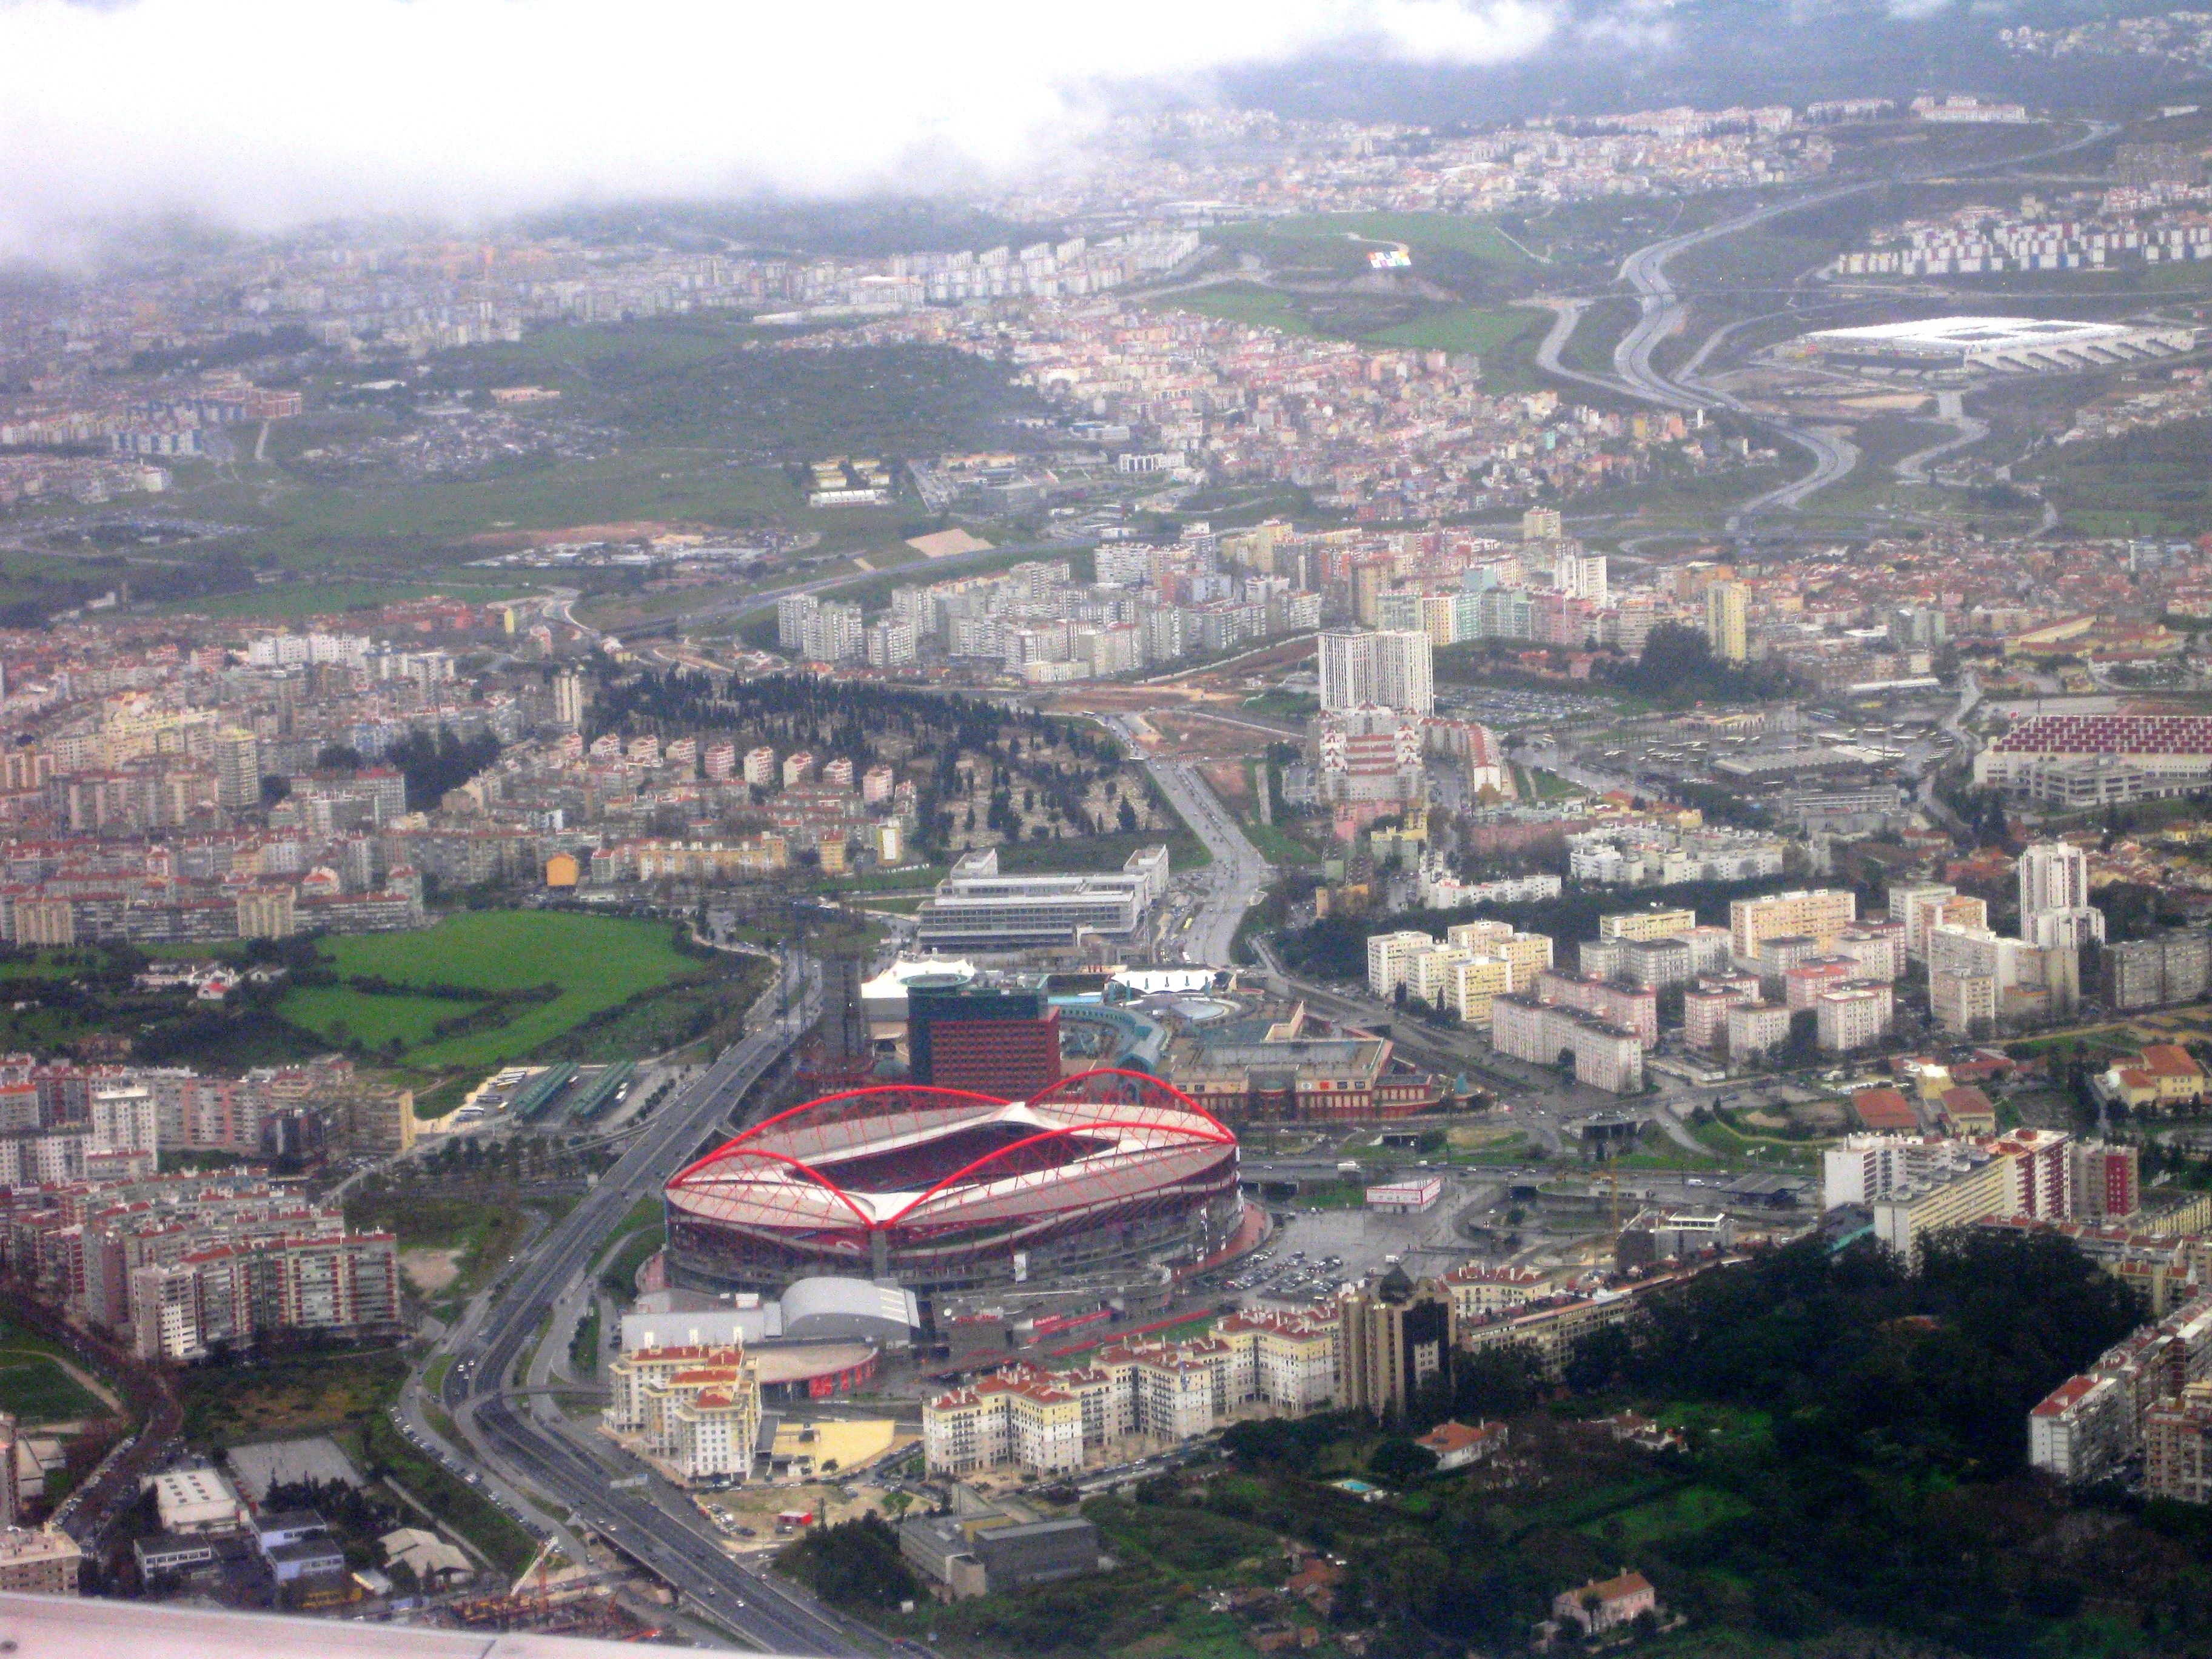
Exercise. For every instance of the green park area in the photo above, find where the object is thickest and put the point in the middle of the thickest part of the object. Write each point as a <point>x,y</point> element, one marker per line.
<point>1456,295</point>
<point>681,422</point>
<point>36,1386</point>
<point>1851,1479</point>
<point>492,986</point>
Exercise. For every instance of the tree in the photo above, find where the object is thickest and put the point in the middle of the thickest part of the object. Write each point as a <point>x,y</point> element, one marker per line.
<point>1400,1462</point>
<point>856,1563</point>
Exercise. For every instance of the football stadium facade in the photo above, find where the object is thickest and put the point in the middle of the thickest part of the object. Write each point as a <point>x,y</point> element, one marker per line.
<point>938,1189</point>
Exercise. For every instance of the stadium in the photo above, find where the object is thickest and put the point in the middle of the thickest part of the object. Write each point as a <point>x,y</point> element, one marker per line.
<point>2005,345</point>
<point>941,1189</point>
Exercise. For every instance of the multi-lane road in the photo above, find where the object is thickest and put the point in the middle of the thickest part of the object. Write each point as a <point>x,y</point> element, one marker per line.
<point>521,1442</point>
<point>1236,878</point>
<point>1662,314</point>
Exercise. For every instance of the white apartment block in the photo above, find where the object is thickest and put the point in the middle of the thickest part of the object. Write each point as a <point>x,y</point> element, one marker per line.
<point>1606,1056</point>
<point>694,1409</point>
<point>1854,1017</point>
<point>1047,1422</point>
<point>1755,1029</point>
<point>1390,957</point>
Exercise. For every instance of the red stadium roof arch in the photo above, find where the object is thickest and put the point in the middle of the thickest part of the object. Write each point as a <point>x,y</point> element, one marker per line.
<point>910,1168</point>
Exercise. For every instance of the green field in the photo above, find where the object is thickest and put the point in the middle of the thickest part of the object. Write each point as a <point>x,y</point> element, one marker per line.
<point>1343,240</point>
<point>1475,329</point>
<point>687,426</point>
<point>34,1389</point>
<point>1247,303</point>
<point>598,962</point>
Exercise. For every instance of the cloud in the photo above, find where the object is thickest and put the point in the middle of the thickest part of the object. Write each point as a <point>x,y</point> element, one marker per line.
<point>263,114</point>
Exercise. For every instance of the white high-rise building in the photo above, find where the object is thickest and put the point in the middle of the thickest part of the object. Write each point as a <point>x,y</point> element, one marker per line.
<point>1348,669</point>
<point>792,612</point>
<point>568,700</point>
<point>1405,671</point>
<point>1581,576</point>
<point>2054,897</point>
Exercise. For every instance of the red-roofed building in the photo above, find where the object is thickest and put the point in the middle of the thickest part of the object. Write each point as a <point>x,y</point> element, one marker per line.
<point>1456,1445</point>
<point>1968,1111</point>
<point>1606,1604</point>
<point>1885,1111</point>
<point>2161,1078</point>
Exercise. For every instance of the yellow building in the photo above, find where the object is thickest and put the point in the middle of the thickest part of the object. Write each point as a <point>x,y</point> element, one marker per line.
<point>266,912</point>
<point>1727,628</point>
<point>1527,954</point>
<point>1642,926</point>
<point>562,870</point>
<point>1473,982</point>
<point>1820,913</point>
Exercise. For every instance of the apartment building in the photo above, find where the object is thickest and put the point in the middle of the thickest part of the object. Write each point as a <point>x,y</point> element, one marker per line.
<point>1852,1018</point>
<point>1527,954</point>
<point>1478,1291</point>
<point>1755,1030</point>
<point>1921,907</point>
<point>1047,1422</point>
<point>1820,913</point>
<point>39,1561</point>
<point>695,1410</point>
<point>1647,924</point>
<point>2177,1446</point>
<point>2026,1173</point>
<point>1705,1007</point>
<point>1549,1328</point>
<point>2149,973</point>
<point>1634,1007</point>
<point>237,1294</point>
<point>1395,1337</point>
<point>1604,1055</point>
<point>2143,1394</point>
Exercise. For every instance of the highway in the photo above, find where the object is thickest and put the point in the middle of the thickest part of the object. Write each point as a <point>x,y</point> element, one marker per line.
<point>1662,314</point>
<point>521,1441</point>
<point>1237,878</point>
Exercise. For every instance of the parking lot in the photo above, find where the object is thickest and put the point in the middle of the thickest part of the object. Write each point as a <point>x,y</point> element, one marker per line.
<point>1315,1252</point>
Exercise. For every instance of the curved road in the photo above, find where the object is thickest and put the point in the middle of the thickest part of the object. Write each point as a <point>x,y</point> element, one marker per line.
<point>522,1440</point>
<point>1663,314</point>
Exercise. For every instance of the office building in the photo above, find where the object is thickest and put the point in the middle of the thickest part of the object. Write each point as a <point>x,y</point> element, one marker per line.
<point>993,1039</point>
<point>2078,760</point>
<point>976,908</point>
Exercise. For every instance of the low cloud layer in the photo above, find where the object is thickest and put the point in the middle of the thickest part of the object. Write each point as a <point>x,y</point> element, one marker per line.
<point>262,113</point>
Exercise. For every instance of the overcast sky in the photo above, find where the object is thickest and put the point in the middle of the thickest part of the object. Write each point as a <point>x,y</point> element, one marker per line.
<point>262,113</point>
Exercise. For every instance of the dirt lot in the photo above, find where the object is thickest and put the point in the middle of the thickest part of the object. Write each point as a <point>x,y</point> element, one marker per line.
<point>430,1271</point>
